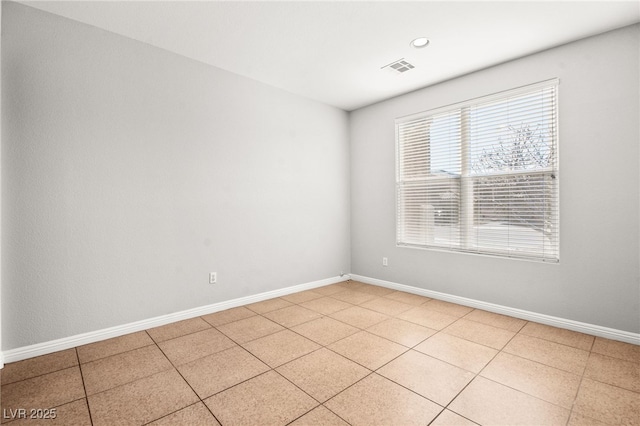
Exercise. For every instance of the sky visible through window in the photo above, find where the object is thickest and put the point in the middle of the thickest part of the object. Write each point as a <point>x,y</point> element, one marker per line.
<point>445,141</point>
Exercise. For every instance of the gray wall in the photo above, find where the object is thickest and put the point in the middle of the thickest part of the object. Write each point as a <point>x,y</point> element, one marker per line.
<point>597,280</point>
<point>129,173</point>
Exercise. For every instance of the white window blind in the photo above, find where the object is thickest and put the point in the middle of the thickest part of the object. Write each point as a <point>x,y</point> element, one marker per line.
<point>482,176</point>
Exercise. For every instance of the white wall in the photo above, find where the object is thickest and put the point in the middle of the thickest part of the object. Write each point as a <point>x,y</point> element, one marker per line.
<point>597,280</point>
<point>129,173</point>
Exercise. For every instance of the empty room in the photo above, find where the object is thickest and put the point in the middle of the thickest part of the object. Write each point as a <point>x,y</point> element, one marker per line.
<point>320,213</point>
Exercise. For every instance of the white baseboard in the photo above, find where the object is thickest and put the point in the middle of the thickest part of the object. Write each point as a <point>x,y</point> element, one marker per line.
<point>44,348</point>
<point>595,330</point>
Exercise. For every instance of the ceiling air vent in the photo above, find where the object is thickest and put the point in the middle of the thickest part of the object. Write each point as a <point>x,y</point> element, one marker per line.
<point>399,66</point>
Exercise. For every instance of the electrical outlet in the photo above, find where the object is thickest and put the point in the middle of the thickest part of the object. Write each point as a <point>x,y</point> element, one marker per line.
<point>385,261</point>
<point>213,277</point>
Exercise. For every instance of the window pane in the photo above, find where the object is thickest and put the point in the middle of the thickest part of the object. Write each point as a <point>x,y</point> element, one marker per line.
<point>445,140</point>
<point>510,135</point>
<point>515,212</point>
<point>430,212</point>
<point>414,150</point>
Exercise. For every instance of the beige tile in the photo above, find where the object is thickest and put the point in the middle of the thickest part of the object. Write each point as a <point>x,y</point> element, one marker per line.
<point>614,371</point>
<point>367,350</point>
<point>408,298</point>
<point>375,290</point>
<point>378,401</point>
<point>549,353</point>
<point>117,345</point>
<point>74,413</point>
<point>248,329</point>
<point>325,330</point>
<point>449,418</point>
<point>302,296</point>
<point>459,352</point>
<point>359,317</point>
<point>352,296</point>
<point>496,320</point>
<point>177,329</point>
<point>547,383</point>
<point>400,331</point>
<point>434,379</point>
<point>427,317</point>
<point>326,305</point>
<point>116,370</point>
<point>448,308</point>
<point>291,316</point>
<point>328,290</point>
<point>615,349</point>
<point>268,399</point>
<point>480,333</point>
<point>490,403</point>
<point>278,348</point>
<point>46,391</point>
<point>196,414</point>
<point>558,335</point>
<point>319,416</point>
<point>386,306</point>
<point>141,401</point>
<point>269,305</point>
<point>38,366</point>
<point>608,404</point>
<point>323,373</point>
<point>196,345</point>
<point>228,315</point>
<point>578,419</point>
<point>217,372</point>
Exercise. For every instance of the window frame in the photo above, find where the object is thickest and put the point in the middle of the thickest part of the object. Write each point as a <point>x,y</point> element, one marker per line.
<point>467,202</point>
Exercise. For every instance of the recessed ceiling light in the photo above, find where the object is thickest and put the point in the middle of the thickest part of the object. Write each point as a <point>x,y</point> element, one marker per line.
<point>420,42</point>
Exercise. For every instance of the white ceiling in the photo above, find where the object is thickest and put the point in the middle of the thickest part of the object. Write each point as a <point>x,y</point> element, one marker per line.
<point>333,51</point>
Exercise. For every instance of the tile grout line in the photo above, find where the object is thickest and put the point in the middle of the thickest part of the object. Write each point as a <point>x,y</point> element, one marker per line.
<point>444,407</point>
<point>119,353</point>
<point>136,379</point>
<point>238,345</point>
<point>582,375</point>
<point>182,335</point>
<point>43,374</point>
<point>477,375</point>
<point>86,397</point>
<point>553,341</point>
<point>131,381</point>
<point>315,350</point>
<point>173,412</point>
<point>190,387</point>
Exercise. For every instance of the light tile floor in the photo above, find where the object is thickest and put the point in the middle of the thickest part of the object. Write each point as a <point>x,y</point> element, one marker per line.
<point>347,353</point>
